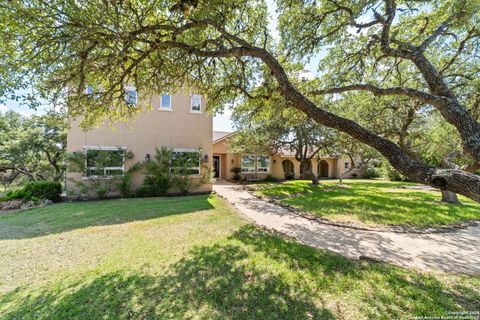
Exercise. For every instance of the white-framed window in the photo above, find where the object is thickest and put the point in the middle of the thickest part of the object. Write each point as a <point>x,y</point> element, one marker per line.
<point>347,165</point>
<point>166,102</point>
<point>88,90</point>
<point>104,161</point>
<point>186,159</point>
<point>248,163</point>
<point>131,96</point>
<point>196,103</point>
<point>263,164</point>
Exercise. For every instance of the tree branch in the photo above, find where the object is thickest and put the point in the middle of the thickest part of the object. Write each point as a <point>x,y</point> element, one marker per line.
<point>377,91</point>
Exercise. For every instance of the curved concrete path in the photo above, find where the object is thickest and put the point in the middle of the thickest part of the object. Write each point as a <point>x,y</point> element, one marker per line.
<point>457,251</point>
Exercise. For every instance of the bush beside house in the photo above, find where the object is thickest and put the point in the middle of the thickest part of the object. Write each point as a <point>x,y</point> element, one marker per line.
<point>166,172</point>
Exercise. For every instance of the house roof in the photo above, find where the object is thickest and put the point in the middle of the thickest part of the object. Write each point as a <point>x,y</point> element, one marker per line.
<point>220,135</point>
<point>284,152</point>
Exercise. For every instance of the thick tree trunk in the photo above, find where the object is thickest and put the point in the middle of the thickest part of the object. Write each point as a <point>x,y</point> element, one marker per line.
<point>449,197</point>
<point>457,181</point>
<point>307,173</point>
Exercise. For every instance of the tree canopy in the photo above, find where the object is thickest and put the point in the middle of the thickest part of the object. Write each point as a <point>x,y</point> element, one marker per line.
<point>32,148</point>
<point>425,51</point>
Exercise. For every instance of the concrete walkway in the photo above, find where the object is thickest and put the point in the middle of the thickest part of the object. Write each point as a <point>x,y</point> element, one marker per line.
<point>457,251</point>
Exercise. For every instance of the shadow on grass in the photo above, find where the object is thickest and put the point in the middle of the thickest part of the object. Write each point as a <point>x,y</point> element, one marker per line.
<point>369,203</point>
<point>229,280</point>
<point>64,217</point>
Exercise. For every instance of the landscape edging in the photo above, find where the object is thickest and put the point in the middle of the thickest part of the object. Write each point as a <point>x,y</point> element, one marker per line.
<point>393,229</point>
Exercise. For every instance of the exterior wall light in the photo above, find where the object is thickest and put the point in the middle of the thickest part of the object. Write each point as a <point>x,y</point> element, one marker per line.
<point>205,158</point>
<point>147,157</point>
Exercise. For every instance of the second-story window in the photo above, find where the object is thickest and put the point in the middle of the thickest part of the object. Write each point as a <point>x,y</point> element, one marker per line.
<point>196,103</point>
<point>166,102</point>
<point>131,97</point>
<point>89,90</point>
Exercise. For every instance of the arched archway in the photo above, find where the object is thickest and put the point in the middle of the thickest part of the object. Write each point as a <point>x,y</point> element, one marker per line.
<point>288,169</point>
<point>323,169</point>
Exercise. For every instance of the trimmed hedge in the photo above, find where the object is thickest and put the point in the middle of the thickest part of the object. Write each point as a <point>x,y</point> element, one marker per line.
<point>50,190</point>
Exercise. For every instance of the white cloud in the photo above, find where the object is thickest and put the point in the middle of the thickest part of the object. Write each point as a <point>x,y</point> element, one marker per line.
<point>3,108</point>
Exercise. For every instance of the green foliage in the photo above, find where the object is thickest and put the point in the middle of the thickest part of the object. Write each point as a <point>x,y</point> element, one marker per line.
<point>154,186</point>
<point>270,178</point>
<point>36,190</point>
<point>17,194</point>
<point>371,171</point>
<point>172,171</point>
<point>101,191</point>
<point>390,173</point>
<point>32,148</point>
<point>125,185</point>
<point>50,190</point>
<point>425,53</point>
<point>236,173</point>
<point>371,202</point>
<point>93,164</point>
<point>195,257</point>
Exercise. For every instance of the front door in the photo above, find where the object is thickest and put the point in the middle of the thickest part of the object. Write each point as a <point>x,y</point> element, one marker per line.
<point>216,167</point>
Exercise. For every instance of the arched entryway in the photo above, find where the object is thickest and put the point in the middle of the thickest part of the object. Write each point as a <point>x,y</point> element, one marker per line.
<point>323,169</point>
<point>288,169</point>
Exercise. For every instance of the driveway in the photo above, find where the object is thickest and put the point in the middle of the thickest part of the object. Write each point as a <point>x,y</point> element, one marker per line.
<point>457,251</point>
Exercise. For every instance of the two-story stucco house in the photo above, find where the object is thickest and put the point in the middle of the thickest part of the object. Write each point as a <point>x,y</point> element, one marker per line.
<point>180,122</point>
<point>177,121</point>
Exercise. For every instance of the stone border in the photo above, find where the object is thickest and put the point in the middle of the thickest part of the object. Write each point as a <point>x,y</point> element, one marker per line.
<point>358,226</point>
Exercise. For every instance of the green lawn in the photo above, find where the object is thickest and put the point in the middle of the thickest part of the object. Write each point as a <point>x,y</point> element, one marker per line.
<point>195,258</point>
<point>371,202</point>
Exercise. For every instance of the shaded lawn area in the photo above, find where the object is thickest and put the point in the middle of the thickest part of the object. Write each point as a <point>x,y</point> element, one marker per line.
<point>371,202</point>
<point>161,259</point>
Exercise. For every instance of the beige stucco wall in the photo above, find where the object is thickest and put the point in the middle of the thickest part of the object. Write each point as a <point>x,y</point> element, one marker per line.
<point>151,129</point>
<point>230,160</point>
<point>343,172</point>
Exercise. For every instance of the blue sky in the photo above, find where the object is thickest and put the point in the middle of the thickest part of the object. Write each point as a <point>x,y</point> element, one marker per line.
<point>221,122</point>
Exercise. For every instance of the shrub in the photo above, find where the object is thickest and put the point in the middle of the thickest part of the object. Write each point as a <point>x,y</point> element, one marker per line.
<point>145,191</point>
<point>236,173</point>
<point>172,170</point>
<point>50,190</point>
<point>370,172</point>
<point>102,192</point>
<point>18,194</point>
<point>155,185</point>
<point>101,181</point>
<point>390,173</point>
<point>289,176</point>
<point>270,178</point>
<point>125,186</point>
<point>162,184</point>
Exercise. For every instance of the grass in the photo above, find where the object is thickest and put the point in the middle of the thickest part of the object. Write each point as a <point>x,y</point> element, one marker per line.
<point>194,258</point>
<point>371,202</point>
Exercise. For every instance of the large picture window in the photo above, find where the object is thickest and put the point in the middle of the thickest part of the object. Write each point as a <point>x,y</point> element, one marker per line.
<point>186,161</point>
<point>248,164</point>
<point>258,164</point>
<point>104,161</point>
<point>263,164</point>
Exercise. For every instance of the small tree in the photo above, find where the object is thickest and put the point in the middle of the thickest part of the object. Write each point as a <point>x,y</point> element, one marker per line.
<point>173,170</point>
<point>275,128</point>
